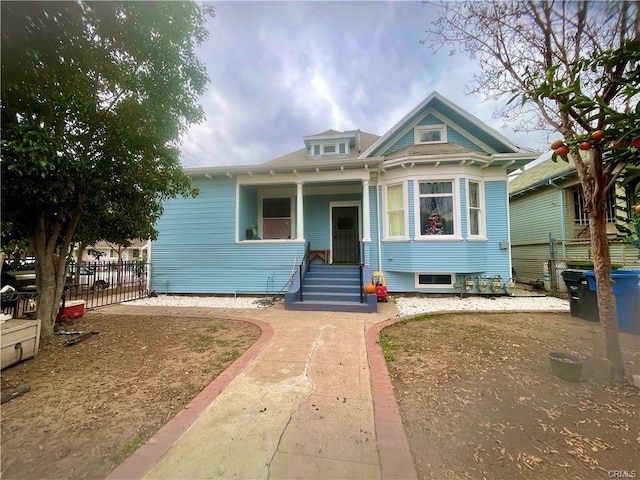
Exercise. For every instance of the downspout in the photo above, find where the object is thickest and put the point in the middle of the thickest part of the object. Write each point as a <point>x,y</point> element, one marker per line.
<point>563,225</point>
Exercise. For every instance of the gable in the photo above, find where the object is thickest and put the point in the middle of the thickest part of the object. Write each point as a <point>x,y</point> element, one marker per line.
<point>462,129</point>
<point>453,136</point>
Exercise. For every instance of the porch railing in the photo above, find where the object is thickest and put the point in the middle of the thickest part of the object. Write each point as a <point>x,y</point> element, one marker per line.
<point>305,266</point>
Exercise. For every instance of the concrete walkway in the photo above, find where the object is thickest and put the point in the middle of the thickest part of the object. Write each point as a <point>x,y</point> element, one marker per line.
<point>300,403</point>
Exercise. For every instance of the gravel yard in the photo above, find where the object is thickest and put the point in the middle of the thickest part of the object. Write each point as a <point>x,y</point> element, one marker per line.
<point>407,305</point>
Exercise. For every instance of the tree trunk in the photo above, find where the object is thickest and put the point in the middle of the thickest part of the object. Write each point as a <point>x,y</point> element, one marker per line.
<point>606,298</point>
<point>50,281</point>
<point>50,246</point>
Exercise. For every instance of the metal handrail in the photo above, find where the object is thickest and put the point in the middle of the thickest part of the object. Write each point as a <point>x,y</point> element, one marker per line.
<point>361,286</point>
<point>306,266</point>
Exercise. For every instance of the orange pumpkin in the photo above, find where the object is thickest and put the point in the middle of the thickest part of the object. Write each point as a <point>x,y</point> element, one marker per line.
<point>370,288</point>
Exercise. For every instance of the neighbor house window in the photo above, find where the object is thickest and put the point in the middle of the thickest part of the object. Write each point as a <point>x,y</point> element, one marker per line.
<point>343,148</point>
<point>276,218</point>
<point>435,280</point>
<point>430,134</point>
<point>395,211</point>
<point>475,209</point>
<point>329,149</point>
<point>316,149</point>
<point>436,208</point>
<point>581,217</point>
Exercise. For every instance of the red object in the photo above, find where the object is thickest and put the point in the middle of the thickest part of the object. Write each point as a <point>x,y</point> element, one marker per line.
<point>381,293</point>
<point>72,309</point>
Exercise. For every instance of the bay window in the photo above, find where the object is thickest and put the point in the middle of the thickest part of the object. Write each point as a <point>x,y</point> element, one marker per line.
<point>437,208</point>
<point>395,211</point>
<point>476,223</point>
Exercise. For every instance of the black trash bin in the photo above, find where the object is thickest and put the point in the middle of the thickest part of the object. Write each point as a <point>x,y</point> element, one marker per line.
<point>583,302</point>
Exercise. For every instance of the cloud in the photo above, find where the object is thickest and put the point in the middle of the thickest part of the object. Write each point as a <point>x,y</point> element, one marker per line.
<point>282,70</point>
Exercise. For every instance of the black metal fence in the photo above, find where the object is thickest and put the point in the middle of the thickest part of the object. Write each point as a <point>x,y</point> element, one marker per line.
<point>106,283</point>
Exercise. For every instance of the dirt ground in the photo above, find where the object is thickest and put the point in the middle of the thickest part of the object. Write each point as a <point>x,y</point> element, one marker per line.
<point>92,404</point>
<point>478,398</point>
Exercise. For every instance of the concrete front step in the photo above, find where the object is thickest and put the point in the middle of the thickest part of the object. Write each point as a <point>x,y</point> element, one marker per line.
<point>329,306</point>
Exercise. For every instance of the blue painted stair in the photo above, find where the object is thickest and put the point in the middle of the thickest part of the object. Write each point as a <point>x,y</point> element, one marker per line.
<point>332,288</point>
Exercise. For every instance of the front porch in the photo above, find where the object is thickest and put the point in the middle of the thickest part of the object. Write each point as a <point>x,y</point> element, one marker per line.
<point>333,217</point>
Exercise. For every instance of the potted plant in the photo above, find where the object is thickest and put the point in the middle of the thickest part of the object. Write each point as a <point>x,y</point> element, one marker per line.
<point>565,366</point>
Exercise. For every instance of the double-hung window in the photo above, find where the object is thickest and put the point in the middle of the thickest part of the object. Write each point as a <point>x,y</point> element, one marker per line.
<point>476,222</point>
<point>395,211</point>
<point>437,208</point>
<point>276,218</point>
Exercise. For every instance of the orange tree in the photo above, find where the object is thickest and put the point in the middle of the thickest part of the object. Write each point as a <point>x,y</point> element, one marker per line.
<point>574,65</point>
<point>603,151</point>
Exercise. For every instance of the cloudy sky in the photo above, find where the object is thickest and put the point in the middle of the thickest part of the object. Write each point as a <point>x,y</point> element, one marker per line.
<point>281,70</point>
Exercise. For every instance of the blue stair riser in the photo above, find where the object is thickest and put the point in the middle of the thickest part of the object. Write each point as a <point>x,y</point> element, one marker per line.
<point>331,297</point>
<point>330,307</point>
<point>331,288</point>
<point>330,285</point>
<point>330,278</point>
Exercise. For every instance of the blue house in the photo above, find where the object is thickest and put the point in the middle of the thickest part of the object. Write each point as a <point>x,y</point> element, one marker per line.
<point>426,204</point>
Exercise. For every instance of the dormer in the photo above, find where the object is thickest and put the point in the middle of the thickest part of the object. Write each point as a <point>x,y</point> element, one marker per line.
<point>330,142</point>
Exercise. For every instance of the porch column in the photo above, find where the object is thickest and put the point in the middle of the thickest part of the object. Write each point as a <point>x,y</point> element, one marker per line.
<point>366,214</point>
<point>299,215</point>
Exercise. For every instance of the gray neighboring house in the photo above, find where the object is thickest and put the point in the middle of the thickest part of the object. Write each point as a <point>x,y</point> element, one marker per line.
<point>549,229</point>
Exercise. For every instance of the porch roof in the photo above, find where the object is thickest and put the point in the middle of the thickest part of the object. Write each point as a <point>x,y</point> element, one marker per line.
<point>540,175</point>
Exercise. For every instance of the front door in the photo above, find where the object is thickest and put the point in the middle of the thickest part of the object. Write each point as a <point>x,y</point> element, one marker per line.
<point>344,223</point>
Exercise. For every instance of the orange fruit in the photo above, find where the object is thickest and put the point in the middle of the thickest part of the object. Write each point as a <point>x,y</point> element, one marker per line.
<point>635,142</point>
<point>557,144</point>
<point>562,151</point>
<point>585,146</point>
<point>619,144</point>
<point>597,135</point>
<point>638,209</point>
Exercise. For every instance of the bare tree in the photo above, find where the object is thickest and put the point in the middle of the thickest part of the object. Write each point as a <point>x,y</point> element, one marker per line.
<point>527,50</point>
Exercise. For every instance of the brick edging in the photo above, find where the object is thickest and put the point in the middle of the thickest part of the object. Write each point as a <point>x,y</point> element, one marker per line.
<point>396,461</point>
<point>153,449</point>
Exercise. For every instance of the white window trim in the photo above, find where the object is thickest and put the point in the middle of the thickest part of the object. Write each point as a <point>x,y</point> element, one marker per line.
<point>457,225</point>
<point>292,209</point>
<point>419,285</point>
<point>483,217</point>
<point>405,206</point>
<point>334,144</point>
<point>419,129</point>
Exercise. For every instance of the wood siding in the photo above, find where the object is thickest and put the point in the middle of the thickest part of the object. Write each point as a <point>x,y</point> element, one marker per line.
<point>453,136</point>
<point>196,251</point>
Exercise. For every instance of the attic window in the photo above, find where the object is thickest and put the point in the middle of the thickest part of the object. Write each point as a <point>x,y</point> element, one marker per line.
<point>430,134</point>
<point>330,148</point>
